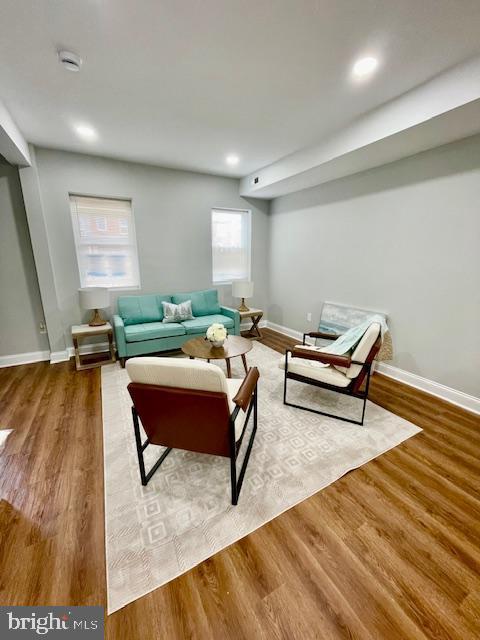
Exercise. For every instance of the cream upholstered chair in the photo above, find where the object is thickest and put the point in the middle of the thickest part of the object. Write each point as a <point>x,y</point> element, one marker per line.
<point>191,405</point>
<point>344,374</point>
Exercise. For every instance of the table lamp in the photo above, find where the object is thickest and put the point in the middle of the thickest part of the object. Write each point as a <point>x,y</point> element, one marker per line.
<point>242,289</point>
<point>94,298</point>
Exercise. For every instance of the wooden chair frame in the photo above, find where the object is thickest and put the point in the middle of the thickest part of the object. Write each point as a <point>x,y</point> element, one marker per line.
<point>354,388</point>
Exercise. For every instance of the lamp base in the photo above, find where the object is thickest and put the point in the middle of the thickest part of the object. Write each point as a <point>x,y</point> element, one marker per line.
<point>97,320</point>
<point>243,307</point>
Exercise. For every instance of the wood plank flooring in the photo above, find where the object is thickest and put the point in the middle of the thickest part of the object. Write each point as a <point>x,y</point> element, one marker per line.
<point>391,550</point>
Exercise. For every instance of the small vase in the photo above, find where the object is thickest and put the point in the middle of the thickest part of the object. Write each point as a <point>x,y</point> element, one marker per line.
<point>217,343</point>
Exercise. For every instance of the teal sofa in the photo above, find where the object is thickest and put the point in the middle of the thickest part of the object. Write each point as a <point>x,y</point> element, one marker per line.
<point>139,329</point>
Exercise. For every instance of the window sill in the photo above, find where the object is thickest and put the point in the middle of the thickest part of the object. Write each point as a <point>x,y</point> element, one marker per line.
<point>134,288</point>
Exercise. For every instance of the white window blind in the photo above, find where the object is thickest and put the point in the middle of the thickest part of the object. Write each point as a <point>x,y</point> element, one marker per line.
<point>105,242</point>
<point>230,245</point>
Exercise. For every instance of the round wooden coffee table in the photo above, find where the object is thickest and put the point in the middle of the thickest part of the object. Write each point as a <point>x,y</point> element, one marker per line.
<point>233,347</point>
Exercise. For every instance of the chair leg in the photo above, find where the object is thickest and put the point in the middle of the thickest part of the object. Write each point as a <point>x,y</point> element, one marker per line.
<point>363,410</point>
<point>233,480</point>
<point>237,484</point>
<point>145,477</point>
<point>138,442</point>
<point>367,386</point>
<point>324,413</point>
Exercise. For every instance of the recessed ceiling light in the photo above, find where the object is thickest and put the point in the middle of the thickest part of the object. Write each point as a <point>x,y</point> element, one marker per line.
<point>86,132</point>
<point>364,67</point>
<point>70,60</point>
<point>232,159</point>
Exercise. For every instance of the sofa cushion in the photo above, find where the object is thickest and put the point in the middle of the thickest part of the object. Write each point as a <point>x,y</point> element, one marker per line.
<point>139,309</point>
<point>200,325</point>
<point>152,330</point>
<point>204,303</point>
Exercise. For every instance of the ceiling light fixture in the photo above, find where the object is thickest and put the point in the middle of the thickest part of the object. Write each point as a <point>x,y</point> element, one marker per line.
<point>232,159</point>
<point>70,60</point>
<point>364,67</point>
<point>86,132</point>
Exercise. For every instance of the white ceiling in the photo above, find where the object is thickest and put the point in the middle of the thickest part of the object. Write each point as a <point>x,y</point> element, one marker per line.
<point>181,83</point>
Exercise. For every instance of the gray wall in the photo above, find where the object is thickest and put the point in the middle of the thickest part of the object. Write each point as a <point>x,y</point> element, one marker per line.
<point>172,221</point>
<point>403,238</point>
<point>20,304</point>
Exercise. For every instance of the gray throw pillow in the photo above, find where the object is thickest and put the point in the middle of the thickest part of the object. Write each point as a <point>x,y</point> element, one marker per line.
<point>177,312</point>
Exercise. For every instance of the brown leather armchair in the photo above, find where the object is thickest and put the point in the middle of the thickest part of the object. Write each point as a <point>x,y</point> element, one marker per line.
<point>191,405</point>
<point>341,373</point>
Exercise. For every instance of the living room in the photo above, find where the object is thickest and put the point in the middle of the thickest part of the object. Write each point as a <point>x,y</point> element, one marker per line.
<point>239,347</point>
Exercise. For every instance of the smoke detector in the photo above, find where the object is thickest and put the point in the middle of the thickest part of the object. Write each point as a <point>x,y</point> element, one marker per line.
<point>70,60</point>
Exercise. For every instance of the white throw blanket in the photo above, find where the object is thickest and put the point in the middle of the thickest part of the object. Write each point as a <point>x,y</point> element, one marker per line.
<point>339,319</point>
<point>349,340</point>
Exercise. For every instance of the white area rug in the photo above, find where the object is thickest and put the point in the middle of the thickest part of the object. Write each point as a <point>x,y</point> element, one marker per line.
<point>184,515</point>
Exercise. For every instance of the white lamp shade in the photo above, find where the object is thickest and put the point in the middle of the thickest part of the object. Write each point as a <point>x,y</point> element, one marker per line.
<point>94,297</point>
<point>242,289</point>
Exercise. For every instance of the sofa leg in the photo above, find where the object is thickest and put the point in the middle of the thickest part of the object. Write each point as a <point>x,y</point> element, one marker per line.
<point>122,362</point>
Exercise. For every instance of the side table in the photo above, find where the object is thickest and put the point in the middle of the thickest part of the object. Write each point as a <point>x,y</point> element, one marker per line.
<point>255,315</point>
<point>81,331</point>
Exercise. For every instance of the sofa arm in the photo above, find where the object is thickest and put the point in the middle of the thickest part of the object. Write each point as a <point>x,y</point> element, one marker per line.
<point>235,315</point>
<point>119,330</point>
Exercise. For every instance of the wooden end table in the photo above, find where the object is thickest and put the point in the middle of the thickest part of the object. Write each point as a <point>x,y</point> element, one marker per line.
<point>255,315</point>
<point>81,331</point>
<point>233,347</point>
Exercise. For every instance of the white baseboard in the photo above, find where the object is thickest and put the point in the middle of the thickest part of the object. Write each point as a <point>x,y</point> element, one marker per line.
<point>85,349</point>
<point>59,356</point>
<point>24,358</point>
<point>291,333</point>
<point>471,403</point>
<point>63,356</point>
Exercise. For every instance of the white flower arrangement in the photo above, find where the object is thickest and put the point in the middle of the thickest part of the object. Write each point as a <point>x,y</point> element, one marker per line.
<point>216,333</point>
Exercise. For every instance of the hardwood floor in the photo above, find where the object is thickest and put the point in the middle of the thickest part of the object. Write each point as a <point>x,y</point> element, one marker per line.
<point>391,550</point>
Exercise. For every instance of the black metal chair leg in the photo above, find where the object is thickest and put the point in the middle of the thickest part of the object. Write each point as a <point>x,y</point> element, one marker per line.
<point>145,477</point>
<point>157,464</point>
<point>324,413</point>
<point>367,386</point>
<point>363,411</point>
<point>237,484</point>
<point>138,442</point>
<point>233,479</point>
<point>249,447</point>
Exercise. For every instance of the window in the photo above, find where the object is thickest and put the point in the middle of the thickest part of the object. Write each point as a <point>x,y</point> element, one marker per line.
<point>105,242</point>
<point>101,223</point>
<point>230,245</point>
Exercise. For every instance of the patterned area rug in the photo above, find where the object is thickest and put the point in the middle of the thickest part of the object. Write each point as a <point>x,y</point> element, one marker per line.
<point>184,515</point>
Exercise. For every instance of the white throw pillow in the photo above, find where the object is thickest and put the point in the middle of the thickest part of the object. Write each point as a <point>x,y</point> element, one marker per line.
<point>177,312</point>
